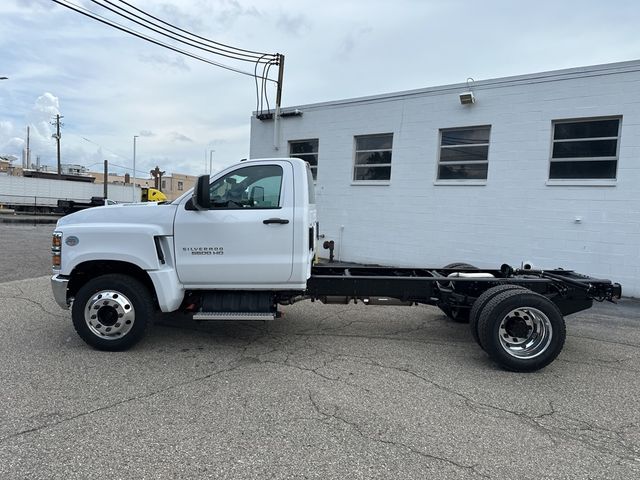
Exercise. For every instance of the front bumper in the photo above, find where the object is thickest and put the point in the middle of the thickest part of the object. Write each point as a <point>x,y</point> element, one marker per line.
<point>59,286</point>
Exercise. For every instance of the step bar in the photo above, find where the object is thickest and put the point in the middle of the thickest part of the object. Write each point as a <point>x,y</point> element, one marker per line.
<point>235,316</point>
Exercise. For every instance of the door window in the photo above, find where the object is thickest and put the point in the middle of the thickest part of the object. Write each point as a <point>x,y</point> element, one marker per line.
<point>248,187</point>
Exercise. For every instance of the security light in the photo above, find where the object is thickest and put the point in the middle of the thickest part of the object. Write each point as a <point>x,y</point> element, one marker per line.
<point>467,98</point>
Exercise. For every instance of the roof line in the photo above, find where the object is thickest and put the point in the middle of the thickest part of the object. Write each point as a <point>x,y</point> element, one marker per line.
<point>500,82</point>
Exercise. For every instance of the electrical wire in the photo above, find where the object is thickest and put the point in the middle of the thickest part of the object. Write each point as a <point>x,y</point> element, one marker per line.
<point>122,28</point>
<point>185,31</point>
<point>174,36</point>
<point>258,89</point>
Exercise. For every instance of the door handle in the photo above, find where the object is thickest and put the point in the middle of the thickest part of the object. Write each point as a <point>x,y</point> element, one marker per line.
<point>281,221</point>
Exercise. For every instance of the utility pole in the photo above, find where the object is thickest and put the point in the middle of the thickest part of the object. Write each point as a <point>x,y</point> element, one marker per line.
<point>276,116</point>
<point>133,184</point>
<point>106,178</point>
<point>210,160</point>
<point>27,153</point>
<point>57,137</point>
<point>157,174</point>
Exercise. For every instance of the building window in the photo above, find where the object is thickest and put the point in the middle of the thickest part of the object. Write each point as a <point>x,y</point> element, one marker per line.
<point>180,186</point>
<point>464,153</point>
<point>373,157</point>
<point>164,184</point>
<point>585,149</point>
<point>306,150</point>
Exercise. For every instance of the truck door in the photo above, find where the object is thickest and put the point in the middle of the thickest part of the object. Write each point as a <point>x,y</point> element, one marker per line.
<point>246,238</point>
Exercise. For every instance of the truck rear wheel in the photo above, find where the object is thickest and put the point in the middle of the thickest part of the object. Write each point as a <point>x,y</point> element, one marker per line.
<point>521,331</point>
<point>481,302</point>
<point>457,314</point>
<point>111,312</point>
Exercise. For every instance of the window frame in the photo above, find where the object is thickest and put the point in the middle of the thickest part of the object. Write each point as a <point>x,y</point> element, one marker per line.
<point>314,168</point>
<point>595,181</point>
<point>461,181</point>
<point>354,156</point>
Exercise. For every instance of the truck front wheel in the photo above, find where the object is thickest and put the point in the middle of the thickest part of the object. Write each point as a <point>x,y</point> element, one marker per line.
<point>111,312</point>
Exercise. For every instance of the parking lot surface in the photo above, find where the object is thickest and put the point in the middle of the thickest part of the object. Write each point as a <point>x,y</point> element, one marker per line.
<point>26,250</point>
<point>326,392</point>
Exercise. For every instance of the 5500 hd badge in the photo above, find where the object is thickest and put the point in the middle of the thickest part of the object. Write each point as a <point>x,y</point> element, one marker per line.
<point>204,250</point>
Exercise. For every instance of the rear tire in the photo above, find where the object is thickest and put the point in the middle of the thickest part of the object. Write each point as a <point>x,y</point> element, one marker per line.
<point>521,331</point>
<point>112,312</point>
<point>481,302</point>
<point>457,314</point>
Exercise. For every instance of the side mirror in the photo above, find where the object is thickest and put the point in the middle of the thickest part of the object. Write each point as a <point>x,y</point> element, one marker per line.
<point>201,198</point>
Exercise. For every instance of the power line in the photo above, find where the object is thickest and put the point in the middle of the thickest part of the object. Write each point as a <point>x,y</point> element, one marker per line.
<point>174,36</point>
<point>117,26</point>
<point>192,34</point>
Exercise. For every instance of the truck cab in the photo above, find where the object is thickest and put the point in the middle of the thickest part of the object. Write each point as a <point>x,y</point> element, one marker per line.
<point>233,247</point>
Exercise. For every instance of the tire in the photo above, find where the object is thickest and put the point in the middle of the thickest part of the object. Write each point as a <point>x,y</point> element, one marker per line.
<point>521,331</point>
<point>481,302</point>
<point>458,315</point>
<point>112,312</point>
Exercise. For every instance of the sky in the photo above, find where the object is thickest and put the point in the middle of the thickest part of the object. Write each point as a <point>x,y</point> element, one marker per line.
<point>110,86</point>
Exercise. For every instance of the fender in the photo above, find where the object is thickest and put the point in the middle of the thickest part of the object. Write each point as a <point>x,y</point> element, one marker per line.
<point>105,241</point>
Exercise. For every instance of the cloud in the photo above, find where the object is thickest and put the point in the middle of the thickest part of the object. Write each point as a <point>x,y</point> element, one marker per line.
<point>232,11</point>
<point>352,39</point>
<point>146,133</point>
<point>293,24</point>
<point>166,62</point>
<point>179,137</point>
<point>176,16</point>
<point>38,119</point>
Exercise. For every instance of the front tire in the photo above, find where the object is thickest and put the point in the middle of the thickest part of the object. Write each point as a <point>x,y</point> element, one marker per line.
<point>521,331</point>
<point>112,312</point>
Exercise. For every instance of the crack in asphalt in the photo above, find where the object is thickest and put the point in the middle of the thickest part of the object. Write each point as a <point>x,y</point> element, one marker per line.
<point>37,304</point>
<point>31,301</point>
<point>238,364</point>
<point>623,452</point>
<point>600,363</point>
<point>602,340</point>
<point>327,417</point>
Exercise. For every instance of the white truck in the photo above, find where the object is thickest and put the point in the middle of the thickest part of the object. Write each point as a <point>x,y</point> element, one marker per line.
<point>243,243</point>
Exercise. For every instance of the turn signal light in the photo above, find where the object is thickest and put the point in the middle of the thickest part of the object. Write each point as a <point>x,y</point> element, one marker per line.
<point>56,241</point>
<point>56,250</point>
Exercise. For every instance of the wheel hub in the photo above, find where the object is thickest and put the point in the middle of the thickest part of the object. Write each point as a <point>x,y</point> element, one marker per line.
<point>525,332</point>
<point>109,314</point>
<point>517,327</point>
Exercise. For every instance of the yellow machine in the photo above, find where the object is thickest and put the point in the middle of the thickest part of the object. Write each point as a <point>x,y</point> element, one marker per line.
<point>153,195</point>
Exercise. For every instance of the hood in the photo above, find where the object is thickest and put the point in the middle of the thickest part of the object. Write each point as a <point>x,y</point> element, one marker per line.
<point>148,213</point>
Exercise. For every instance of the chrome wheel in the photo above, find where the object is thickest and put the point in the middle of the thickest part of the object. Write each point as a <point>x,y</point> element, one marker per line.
<point>525,332</point>
<point>109,314</point>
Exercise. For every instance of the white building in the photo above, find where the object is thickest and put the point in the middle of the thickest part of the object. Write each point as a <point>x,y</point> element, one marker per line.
<point>542,168</point>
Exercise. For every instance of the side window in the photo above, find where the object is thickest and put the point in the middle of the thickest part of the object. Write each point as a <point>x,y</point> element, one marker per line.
<point>248,187</point>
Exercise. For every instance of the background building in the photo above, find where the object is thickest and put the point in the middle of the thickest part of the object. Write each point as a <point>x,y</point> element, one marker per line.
<point>176,184</point>
<point>542,168</point>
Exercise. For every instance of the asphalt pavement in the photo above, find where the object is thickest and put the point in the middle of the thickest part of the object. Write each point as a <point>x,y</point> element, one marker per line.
<point>328,391</point>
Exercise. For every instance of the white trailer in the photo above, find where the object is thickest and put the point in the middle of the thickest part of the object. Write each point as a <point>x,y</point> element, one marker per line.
<point>42,194</point>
